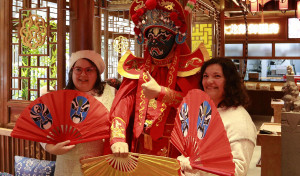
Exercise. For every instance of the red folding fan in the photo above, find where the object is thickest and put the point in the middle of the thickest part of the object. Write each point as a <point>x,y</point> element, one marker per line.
<point>63,115</point>
<point>199,134</point>
<point>134,164</point>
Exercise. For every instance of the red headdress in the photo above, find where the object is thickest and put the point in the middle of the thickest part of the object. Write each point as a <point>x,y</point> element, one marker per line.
<point>167,14</point>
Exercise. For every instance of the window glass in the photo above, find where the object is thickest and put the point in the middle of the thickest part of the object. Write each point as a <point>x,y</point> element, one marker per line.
<point>272,68</point>
<point>287,49</point>
<point>294,28</point>
<point>233,50</point>
<point>260,49</point>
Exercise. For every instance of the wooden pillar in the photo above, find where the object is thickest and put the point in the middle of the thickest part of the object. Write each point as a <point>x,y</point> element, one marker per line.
<point>61,43</point>
<point>222,33</point>
<point>188,21</point>
<point>81,25</point>
<point>5,10</point>
<point>106,37</point>
<point>97,29</point>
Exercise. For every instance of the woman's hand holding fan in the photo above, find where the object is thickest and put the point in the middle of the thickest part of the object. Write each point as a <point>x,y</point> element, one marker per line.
<point>63,115</point>
<point>200,135</point>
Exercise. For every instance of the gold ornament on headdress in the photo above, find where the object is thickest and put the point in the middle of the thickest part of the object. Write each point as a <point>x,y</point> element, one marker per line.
<point>141,5</point>
<point>120,44</point>
<point>167,5</point>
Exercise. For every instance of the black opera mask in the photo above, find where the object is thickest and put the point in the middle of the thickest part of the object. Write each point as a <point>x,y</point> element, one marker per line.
<point>160,42</point>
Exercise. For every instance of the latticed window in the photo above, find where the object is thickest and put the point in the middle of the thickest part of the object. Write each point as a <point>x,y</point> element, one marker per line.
<point>34,48</point>
<point>119,29</point>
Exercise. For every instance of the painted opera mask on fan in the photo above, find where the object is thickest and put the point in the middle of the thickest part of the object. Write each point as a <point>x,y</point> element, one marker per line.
<point>160,42</point>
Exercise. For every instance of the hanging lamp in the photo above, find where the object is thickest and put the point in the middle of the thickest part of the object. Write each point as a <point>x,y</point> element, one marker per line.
<point>283,4</point>
<point>254,6</point>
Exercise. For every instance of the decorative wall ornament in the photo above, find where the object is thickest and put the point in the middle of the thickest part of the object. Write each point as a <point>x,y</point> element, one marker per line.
<point>34,31</point>
<point>120,44</point>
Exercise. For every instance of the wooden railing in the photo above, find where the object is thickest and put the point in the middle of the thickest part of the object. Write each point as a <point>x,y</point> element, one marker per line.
<point>10,147</point>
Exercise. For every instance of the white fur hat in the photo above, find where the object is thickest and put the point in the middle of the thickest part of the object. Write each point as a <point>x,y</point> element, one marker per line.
<point>89,54</point>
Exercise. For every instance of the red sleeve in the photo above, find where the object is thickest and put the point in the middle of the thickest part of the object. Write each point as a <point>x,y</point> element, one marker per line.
<point>121,110</point>
<point>170,97</point>
<point>188,83</point>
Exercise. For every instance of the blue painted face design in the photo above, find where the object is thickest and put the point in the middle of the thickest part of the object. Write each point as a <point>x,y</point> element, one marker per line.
<point>79,109</point>
<point>204,118</point>
<point>41,116</point>
<point>184,118</point>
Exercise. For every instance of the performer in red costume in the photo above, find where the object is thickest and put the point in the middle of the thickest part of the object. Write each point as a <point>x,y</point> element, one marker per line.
<point>144,109</point>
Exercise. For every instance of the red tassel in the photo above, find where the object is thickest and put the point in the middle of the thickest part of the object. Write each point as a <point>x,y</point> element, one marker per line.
<point>137,31</point>
<point>140,12</point>
<point>135,19</point>
<point>183,28</point>
<point>178,23</point>
<point>150,4</point>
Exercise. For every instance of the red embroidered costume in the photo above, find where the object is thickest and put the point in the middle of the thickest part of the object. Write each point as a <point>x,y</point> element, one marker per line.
<point>175,72</point>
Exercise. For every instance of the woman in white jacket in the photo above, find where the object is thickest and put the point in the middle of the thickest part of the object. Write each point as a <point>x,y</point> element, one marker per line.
<point>221,81</point>
<point>86,68</point>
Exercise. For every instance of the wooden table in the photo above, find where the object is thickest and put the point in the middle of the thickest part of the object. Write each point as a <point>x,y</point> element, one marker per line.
<point>270,151</point>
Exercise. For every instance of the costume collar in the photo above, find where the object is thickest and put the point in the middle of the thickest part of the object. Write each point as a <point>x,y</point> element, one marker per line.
<point>162,62</point>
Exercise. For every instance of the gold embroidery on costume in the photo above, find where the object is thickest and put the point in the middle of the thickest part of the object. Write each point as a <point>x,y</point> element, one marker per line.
<point>142,97</point>
<point>162,62</point>
<point>117,128</point>
<point>193,62</point>
<point>172,97</point>
<point>171,72</point>
<point>162,110</point>
<point>132,64</point>
<point>152,103</point>
<point>148,123</point>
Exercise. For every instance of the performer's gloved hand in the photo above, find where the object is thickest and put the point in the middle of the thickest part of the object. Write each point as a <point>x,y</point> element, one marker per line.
<point>59,148</point>
<point>151,89</point>
<point>120,149</point>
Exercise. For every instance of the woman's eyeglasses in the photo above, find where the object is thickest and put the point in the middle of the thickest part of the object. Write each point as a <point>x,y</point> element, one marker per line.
<point>87,70</point>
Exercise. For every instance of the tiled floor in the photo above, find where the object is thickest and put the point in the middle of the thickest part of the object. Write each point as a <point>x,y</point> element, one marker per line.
<point>253,170</point>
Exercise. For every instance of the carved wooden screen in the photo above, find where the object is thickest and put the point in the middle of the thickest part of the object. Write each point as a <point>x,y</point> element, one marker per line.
<point>35,47</point>
<point>120,37</point>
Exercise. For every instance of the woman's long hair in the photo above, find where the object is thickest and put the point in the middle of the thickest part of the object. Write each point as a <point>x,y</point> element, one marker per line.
<point>234,88</point>
<point>98,86</point>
